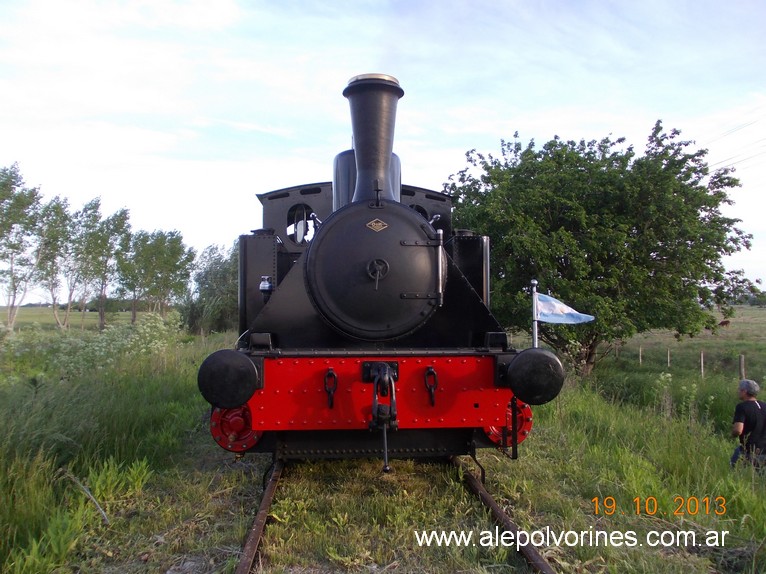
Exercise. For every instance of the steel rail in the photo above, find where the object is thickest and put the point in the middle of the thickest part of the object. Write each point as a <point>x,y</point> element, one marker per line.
<point>250,549</point>
<point>530,553</point>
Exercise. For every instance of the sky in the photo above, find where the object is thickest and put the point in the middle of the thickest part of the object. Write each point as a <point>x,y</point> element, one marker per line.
<point>181,111</point>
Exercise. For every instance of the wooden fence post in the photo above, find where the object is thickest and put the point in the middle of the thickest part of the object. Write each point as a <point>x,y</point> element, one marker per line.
<point>742,367</point>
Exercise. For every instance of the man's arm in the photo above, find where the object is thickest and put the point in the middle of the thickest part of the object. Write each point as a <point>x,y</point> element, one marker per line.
<point>738,424</point>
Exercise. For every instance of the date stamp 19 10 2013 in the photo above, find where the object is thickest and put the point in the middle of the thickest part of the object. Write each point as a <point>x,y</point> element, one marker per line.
<point>648,505</point>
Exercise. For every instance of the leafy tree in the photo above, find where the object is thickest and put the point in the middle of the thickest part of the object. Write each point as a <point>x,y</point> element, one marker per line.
<point>135,268</point>
<point>212,306</point>
<point>157,266</point>
<point>636,241</point>
<point>98,250</point>
<point>76,266</point>
<point>174,263</point>
<point>19,214</point>
<point>54,246</point>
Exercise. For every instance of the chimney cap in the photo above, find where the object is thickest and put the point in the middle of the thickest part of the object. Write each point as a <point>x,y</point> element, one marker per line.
<point>363,81</point>
<point>362,77</point>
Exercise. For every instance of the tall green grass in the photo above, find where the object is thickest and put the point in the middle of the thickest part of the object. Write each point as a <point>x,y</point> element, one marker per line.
<point>700,381</point>
<point>586,446</point>
<point>82,424</point>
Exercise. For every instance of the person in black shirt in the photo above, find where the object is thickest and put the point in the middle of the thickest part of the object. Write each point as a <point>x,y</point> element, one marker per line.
<point>750,424</point>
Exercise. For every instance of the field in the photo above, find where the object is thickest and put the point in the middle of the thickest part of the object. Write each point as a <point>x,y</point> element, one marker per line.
<point>42,317</point>
<point>106,466</point>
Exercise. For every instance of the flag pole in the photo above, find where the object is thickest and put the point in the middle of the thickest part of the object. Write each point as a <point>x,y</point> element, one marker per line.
<point>534,312</point>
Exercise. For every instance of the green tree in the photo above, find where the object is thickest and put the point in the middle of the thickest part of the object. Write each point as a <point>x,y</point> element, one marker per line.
<point>157,267</point>
<point>19,215</point>
<point>98,250</point>
<point>75,264</point>
<point>212,305</point>
<point>174,263</point>
<point>55,240</point>
<point>636,241</point>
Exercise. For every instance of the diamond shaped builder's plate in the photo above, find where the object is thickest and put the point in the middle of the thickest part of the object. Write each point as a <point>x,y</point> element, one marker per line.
<point>377,225</point>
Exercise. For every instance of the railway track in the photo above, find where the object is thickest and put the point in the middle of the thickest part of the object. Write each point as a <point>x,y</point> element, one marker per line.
<point>250,550</point>
<point>530,553</point>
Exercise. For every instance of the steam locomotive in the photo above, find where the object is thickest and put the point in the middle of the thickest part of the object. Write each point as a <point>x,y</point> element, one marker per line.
<point>365,319</point>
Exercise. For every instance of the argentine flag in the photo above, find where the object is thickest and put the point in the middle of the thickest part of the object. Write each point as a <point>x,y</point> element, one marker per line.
<point>550,310</point>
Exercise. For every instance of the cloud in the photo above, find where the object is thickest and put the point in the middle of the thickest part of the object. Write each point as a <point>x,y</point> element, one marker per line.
<point>183,110</point>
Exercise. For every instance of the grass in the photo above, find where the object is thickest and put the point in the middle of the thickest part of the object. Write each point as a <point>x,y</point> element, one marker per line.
<point>745,336</point>
<point>110,468</point>
<point>349,515</point>
<point>43,317</point>
<point>588,447</point>
<point>642,376</point>
<point>85,456</point>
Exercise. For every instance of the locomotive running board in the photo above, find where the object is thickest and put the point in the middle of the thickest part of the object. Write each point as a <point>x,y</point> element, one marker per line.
<point>405,443</point>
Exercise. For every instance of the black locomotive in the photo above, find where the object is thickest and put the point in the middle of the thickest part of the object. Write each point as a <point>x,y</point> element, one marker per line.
<point>365,319</point>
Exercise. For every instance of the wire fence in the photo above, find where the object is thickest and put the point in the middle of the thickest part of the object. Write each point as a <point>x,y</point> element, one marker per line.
<point>741,363</point>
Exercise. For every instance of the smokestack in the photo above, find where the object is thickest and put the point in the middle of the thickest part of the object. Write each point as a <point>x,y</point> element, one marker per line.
<point>373,99</point>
